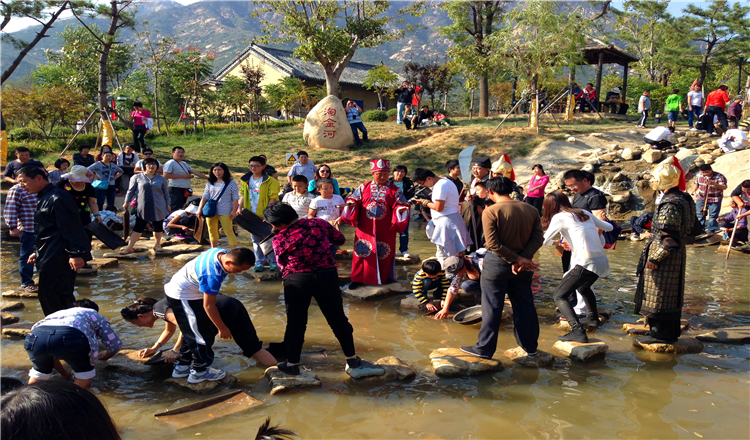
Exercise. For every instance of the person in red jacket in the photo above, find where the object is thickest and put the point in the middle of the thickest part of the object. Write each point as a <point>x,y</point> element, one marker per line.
<point>716,104</point>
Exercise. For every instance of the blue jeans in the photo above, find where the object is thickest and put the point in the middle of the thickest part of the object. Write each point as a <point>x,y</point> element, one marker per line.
<point>25,269</point>
<point>400,106</point>
<point>711,225</point>
<point>108,194</point>
<point>403,239</point>
<point>260,258</point>
<point>693,112</point>
<point>472,287</point>
<point>46,343</point>
<point>361,127</point>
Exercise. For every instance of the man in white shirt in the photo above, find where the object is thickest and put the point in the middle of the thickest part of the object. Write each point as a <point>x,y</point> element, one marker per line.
<point>695,104</point>
<point>448,230</point>
<point>179,174</point>
<point>304,166</point>
<point>659,138</point>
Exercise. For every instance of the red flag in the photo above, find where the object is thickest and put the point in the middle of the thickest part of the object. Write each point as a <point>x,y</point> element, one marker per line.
<point>113,108</point>
<point>182,111</point>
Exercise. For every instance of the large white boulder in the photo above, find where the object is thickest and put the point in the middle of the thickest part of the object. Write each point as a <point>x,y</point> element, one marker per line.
<point>326,125</point>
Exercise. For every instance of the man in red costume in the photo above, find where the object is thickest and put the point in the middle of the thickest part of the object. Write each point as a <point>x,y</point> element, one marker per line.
<point>380,212</point>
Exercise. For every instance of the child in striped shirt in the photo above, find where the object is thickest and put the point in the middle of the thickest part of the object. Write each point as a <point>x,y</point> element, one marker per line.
<point>431,276</point>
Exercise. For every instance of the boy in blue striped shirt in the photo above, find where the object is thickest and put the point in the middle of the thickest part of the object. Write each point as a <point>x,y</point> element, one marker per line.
<point>191,294</point>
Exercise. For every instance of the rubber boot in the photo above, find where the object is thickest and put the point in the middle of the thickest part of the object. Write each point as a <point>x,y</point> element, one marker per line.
<point>577,335</point>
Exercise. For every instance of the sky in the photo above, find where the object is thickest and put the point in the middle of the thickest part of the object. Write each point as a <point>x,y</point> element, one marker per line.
<point>675,8</point>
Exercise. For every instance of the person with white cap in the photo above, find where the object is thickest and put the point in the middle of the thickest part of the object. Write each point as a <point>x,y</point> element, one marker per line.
<point>179,223</point>
<point>660,290</point>
<point>77,183</point>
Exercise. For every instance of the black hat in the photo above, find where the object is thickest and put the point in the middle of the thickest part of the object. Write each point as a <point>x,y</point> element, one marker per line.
<point>483,162</point>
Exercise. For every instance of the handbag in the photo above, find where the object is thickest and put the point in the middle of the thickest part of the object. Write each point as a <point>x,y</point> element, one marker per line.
<point>102,184</point>
<point>209,208</point>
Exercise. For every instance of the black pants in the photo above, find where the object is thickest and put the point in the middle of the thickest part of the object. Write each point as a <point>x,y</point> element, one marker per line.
<point>56,287</point>
<point>139,137</point>
<point>536,202</point>
<point>497,280</point>
<point>642,120</point>
<point>667,330</point>
<point>581,280</point>
<point>177,198</point>
<point>198,331</point>
<point>299,289</point>
<point>715,110</point>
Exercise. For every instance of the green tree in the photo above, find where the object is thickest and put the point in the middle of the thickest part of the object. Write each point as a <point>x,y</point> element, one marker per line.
<point>290,93</point>
<point>473,23</point>
<point>185,71</point>
<point>382,80</point>
<point>253,75</point>
<point>233,93</point>
<point>431,76</point>
<point>330,32</point>
<point>718,31</point>
<point>154,57</point>
<point>43,107</point>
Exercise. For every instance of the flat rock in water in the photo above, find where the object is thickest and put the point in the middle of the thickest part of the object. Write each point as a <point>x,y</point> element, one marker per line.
<point>186,257</point>
<point>395,369</point>
<point>133,256</point>
<point>128,362</point>
<point>563,327</point>
<point>366,371</point>
<point>636,329</point>
<point>10,305</point>
<point>184,249</point>
<point>519,356</point>
<point>281,382</point>
<point>404,261</point>
<point>367,292</point>
<point>345,277</point>
<point>452,362</point>
<point>203,387</point>
<point>100,263</point>
<point>18,293</point>
<point>581,351</point>
<point>86,271</point>
<point>729,335</point>
<point>606,313</point>
<point>684,323</point>
<point>266,275</point>
<point>18,330</point>
<point>683,345</point>
<point>164,252</point>
<point>173,241</point>
<point>7,318</point>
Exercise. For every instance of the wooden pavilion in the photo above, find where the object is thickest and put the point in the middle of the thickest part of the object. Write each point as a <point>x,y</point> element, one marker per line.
<point>600,53</point>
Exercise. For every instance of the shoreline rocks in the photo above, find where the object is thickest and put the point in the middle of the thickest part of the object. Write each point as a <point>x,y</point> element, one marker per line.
<point>281,382</point>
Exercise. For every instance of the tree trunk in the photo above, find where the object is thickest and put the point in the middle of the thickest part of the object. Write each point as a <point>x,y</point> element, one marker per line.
<point>156,100</point>
<point>332,84</point>
<point>39,35</point>
<point>484,96</point>
<point>104,55</point>
<point>471,105</point>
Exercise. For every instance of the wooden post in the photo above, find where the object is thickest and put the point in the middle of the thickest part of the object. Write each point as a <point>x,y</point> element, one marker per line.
<point>599,77</point>
<point>571,101</point>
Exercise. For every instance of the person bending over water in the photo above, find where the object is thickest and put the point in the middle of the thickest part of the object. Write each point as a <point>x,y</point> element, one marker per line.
<point>588,260</point>
<point>145,311</point>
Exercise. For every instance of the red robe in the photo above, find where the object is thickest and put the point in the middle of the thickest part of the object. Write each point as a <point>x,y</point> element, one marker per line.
<point>377,222</point>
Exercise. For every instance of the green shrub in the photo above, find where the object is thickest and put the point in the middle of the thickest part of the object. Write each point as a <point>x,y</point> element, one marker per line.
<point>37,147</point>
<point>375,116</point>
<point>23,133</point>
<point>82,139</point>
<point>392,112</point>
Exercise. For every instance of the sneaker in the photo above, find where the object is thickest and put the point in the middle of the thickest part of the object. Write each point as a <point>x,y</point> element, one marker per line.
<point>406,255</point>
<point>577,335</point>
<point>288,369</point>
<point>258,268</point>
<point>358,368</point>
<point>212,374</point>
<point>693,129</point>
<point>273,268</point>
<point>472,351</point>
<point>181,371</point>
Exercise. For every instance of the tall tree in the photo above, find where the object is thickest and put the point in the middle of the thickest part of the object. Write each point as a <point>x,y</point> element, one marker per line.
<point>431,76</point>
<point>473,23</point>
<point>119,17</point>
<point>382,80</point>
<point>253,75</point>
<point>43,12</point>
<point>154,58</point>
<point>185,71</point>
<point>718,31</point>
<point>330,32</point>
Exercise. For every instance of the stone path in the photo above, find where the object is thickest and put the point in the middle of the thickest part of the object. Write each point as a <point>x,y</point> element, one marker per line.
<point>8,318</point>
<point>452,362</point>
<point>204,387</point>
<point>18,330</point>
<point>582,352</point>
<point>367,292</point>
<point>519,356</point>
<point>281,382</point>
<point>683,345</point>
<point>7,306</point>
<point>728,335</point>
<point>18,293</point>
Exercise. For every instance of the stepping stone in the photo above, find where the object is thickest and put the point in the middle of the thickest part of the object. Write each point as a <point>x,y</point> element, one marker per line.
<point>128,362</point>
<point>395,369</point>
<point>367,370</point>
<point>101,263</point>
<point>18,330</point>
<point>578,351</point>
<point>203,387</point>
<point>683,345</point>
<point>7,318</point>
<point>368,292</point>
<point>185,249</point>
<point>636,329</point>
<point>134,256</point>
<point>9,305</point>
<point>729,335</point>
<point>605,314</point>
<point>345,277</point>
<point>684,324</point>
<point>96,244</point>
<point>18,293</point>
<point>165,252</point>
<point>184,258</point>
<point>563,327</point>
<point>541,360</point>
<point>403,261</point>
<point>281,382</point>
<point>452,362</point>
<point>85,271</point>
<point>172,241</point>
<point>265,275</point>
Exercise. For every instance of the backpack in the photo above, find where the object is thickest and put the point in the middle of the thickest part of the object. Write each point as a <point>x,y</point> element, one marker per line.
<point>703,122</point>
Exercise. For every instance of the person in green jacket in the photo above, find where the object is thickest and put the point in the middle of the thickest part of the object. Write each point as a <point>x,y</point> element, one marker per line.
<point>673,106</point>
<point>258,190</point>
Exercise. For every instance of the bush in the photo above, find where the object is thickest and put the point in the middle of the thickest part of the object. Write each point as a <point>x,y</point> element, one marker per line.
<point>37,148</point>
<point>375,116</point>
<point>24,133</point>
<point>392,112</point>
<point>445,112</point>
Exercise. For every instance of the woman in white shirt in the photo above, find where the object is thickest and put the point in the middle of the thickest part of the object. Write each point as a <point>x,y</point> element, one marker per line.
<point>224,191</point>
<point>588,261</point>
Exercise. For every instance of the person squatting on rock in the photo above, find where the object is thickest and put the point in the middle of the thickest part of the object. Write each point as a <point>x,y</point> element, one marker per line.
<point>62,245</point>
<point>302,247</point>
<point>378,211</point>
<point>192,294</point>
<point>736,219</point>
<point>145,311</point>
<point>446,229</point>
<point>430,277</point>
<point>514,233</point>
<point>660,138</point>
<point>660,290</point>
<point>588,260</point>
<point>455,268</point>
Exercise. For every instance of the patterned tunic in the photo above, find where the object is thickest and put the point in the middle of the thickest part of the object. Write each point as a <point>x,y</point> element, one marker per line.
<point>660,292</point>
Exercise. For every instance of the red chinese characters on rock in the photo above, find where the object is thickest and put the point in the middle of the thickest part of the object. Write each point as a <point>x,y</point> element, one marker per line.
<point>330,111</point>
<point>329,122</point>
<point>329,134</point>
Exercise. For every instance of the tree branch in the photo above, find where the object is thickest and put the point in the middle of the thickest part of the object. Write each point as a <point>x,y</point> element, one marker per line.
<point>87,28</point>
<point>604,10</point>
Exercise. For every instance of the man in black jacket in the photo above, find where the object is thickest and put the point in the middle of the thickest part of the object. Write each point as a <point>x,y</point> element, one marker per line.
<point>405,93</point>
<point>62,245</point>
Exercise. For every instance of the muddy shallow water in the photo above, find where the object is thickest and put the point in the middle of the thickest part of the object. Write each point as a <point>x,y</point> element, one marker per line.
<point>628,394</point>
